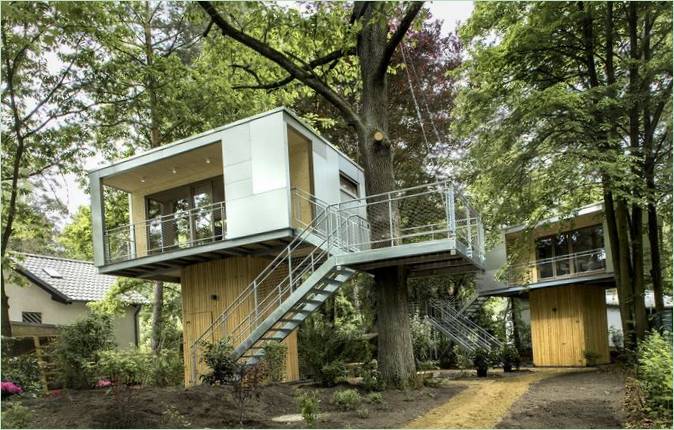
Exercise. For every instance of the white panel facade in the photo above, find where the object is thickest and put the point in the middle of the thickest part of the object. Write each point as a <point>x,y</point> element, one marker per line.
<point>255,164</point>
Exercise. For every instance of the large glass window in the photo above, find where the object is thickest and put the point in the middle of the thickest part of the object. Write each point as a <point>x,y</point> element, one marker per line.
<point>570,253</point>
<point>186,216</point>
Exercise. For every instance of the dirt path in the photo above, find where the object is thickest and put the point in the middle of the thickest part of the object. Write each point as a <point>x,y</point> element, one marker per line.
<point>484,401</point>
<point>573,400</point>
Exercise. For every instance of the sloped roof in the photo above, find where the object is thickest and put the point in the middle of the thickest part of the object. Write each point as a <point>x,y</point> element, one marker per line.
<point>69,280</point>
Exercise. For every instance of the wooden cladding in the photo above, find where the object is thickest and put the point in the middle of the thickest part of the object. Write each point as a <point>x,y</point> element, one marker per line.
<point>209,288</point>
<point>566,322</point>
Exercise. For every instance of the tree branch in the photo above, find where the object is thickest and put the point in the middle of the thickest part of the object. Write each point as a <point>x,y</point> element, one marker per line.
<point>297,72</point>
<point>411,13</point>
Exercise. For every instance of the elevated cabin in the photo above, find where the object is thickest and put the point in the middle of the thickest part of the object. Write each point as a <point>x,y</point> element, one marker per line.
<point>261,221</point>
<point>227,192</point>
<point>562,267</point>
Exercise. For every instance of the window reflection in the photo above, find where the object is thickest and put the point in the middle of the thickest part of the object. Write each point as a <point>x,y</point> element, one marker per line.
<point>569,253</point>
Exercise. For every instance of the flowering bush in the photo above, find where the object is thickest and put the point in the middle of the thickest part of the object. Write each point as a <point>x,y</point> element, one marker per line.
<point>23,369</point>
<point>103,383</point>
<point>9,388</point>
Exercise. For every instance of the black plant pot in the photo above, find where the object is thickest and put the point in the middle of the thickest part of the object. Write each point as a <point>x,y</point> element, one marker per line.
<point>481,372</point>
<point>507,367</point>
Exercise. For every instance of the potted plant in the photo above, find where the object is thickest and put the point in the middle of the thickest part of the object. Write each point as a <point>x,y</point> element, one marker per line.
<point>591,358</point>
<point>510,357</point>
<point>481,361</point>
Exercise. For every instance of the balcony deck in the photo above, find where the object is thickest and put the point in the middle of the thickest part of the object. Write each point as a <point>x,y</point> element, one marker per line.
<point>437,233</point>
<point>576,268</point>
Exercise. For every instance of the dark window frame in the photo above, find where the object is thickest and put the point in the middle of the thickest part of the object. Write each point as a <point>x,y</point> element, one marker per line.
<point>572,270</point>
<point>30,317</point>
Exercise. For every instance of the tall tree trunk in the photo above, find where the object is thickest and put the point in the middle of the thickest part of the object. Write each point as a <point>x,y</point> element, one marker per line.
<point>515,315</point>
<point>641,322</point>
<point>11,205</point>
<point>6,325</point>
<point>614,212</point>
<point>396,356</point>
<point>155,141</point>
<point>649,175</point>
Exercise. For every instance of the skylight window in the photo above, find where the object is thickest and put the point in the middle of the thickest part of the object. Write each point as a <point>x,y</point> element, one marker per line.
<point>52,272</point>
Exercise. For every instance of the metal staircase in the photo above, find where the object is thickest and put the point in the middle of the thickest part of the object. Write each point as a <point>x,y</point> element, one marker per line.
<point>471,307</point>
<point>307,272</point>
<point>457,326</point>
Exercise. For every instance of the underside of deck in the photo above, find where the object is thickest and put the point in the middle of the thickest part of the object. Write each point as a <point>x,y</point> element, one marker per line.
<point>166,266</point>
<point>422,259</point>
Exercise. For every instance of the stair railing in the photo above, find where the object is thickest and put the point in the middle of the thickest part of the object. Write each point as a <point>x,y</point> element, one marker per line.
<point>279,279</point>
<point>410,215</point>
<point>454,314</point>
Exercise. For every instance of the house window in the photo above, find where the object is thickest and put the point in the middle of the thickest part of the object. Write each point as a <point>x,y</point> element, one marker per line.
<point>572,252</point>
<point>348,188</point>
<point>31,317</point>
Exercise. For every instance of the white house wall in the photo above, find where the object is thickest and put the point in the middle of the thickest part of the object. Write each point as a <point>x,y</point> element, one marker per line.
<point>31,298</point>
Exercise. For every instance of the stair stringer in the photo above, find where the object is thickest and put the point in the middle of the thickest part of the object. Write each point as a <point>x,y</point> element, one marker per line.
<point>308,297</point>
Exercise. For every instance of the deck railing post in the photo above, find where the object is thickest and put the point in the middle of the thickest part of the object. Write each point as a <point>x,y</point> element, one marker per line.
<point>255,296</point>
<point>290,271</point>
<point>469,252</point>
<point>390,218</point>
<point>451,217</point>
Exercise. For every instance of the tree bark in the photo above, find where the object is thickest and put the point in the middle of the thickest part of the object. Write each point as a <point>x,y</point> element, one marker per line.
<point>615,212</point>
<point>395,353</point>
<point>649,122</point>
<point>515,315</point>
<point>641,322</point>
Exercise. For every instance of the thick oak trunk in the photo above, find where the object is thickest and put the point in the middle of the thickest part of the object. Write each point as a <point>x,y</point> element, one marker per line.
<point>395,353</point>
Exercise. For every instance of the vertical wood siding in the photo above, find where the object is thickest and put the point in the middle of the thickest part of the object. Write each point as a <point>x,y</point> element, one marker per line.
<point>567,321</point>
<point>208,288</point>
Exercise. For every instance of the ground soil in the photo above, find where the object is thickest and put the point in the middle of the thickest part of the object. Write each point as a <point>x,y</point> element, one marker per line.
<point>531,398</point>
<point>591,399</point>
<point>483,402</point>
<point>214,407</point>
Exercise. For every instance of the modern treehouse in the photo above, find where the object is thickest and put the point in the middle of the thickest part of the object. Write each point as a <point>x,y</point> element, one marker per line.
<point>261,221</point>
<point>563,267</point>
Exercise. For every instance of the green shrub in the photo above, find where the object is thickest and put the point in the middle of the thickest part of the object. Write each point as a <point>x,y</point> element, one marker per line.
<point>427,365</point>
<point>655,375</point>
<point>275,354</point>
<point>166,369</point>
<point>372,379</point>
<point>23,370</point>
<point>481,361</point>
<point>218,357</point>
<point>321,342</point>
<point>423,341</point>
<point>347,400</point>
<point>375,398</point>
<point>309,405</point>
<point>463,359</point>
<point>16,416</point>
<point>78,347</point>
<point>591,357</point>
<point>510,357</point>
<point>333,373</point>
<point>124,367</point>
<point>363,413</point>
